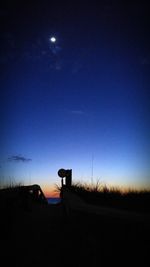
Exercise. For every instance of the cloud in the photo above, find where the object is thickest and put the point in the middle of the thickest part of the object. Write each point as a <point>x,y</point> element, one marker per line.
<point>78,112</point>
<point>55,49</point>
<point>19,158</point>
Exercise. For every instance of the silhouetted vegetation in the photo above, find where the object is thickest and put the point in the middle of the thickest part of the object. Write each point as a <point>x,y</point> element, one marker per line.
<point>37,233</point>
<point>16,199</point>
<point>99,194</point>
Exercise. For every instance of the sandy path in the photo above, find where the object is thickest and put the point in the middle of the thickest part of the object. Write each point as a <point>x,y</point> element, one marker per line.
<point>44,236</point>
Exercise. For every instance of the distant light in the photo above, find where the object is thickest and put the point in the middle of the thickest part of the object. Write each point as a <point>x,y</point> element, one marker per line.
<point>53,39</point>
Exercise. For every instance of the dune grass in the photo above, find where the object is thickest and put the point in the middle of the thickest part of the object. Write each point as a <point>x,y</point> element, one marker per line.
<point>10,184</point>
<point>100,194</point>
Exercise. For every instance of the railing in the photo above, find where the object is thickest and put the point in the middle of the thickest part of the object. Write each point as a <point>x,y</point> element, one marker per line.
<point>22,195</point>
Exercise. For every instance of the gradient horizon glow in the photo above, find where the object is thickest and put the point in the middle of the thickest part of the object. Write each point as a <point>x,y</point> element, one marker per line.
<point>80,103</point>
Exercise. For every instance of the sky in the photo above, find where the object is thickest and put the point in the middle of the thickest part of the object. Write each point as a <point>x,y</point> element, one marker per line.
<point>75,92</point>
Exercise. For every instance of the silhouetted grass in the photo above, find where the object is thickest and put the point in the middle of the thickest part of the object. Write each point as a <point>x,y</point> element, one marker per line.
<point>85,238</point>
<point>10,185</point>
<point>99,194</point>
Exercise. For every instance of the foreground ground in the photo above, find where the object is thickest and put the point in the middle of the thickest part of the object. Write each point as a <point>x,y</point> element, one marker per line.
<point>45,236</point>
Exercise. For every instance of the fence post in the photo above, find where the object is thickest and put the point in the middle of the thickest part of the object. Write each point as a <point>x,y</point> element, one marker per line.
<point>68,178</point>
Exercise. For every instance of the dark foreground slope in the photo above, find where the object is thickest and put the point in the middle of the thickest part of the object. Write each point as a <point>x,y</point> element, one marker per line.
<point>45,236</point>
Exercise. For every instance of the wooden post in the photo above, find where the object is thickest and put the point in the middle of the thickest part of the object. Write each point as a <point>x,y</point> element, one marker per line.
<point>62,182</point>
<point>67,174</point>
<point>68,178</point>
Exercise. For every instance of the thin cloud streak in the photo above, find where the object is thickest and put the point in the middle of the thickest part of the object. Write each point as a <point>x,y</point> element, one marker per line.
<point>78,112</point>
<point>19,158</point>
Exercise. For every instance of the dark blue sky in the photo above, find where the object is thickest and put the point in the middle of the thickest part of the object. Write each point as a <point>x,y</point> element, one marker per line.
<point>82,99</point>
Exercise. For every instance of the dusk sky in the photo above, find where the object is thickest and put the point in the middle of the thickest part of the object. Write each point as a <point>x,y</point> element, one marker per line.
<point>75,92</point>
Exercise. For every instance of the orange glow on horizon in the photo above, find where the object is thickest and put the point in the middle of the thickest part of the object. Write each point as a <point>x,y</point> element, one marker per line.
<point>50,191</point>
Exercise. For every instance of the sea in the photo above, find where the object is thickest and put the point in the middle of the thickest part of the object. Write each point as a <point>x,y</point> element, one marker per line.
<point>53,200</point>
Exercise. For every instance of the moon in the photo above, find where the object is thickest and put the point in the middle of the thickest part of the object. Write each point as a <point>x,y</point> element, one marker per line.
<point>53,39</point>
